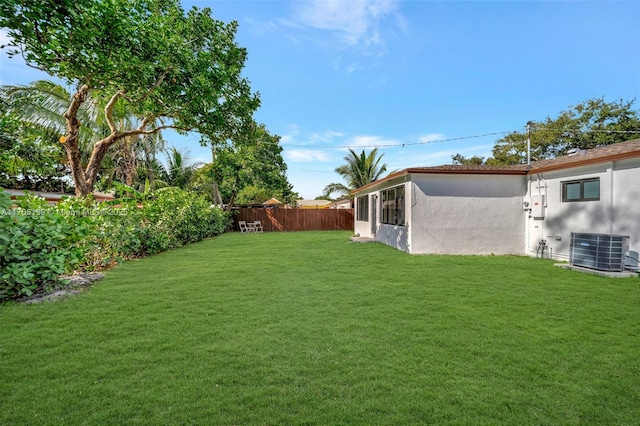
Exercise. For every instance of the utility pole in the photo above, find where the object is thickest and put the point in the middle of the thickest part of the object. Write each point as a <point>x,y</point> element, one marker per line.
<point>529,123</point>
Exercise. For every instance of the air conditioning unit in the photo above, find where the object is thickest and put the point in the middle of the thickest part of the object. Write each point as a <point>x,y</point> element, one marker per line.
<point>604,252</point>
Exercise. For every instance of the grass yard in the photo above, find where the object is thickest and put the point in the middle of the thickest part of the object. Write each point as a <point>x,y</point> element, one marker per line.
<point>309,328</point>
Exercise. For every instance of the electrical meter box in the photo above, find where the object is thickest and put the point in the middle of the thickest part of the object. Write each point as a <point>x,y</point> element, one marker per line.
<point>537,206</point>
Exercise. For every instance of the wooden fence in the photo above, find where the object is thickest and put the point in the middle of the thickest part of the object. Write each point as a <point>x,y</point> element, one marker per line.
<point>287,220</point>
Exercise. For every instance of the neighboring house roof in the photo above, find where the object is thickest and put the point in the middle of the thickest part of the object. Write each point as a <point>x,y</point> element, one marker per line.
<point>604,154</point>
<point>344,203</point>
<point>272,201</point>
<point>56,197</point>
<point>313,204</point>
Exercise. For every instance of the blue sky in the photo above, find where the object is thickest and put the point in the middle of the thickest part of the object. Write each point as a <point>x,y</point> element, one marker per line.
<point>423,80</point>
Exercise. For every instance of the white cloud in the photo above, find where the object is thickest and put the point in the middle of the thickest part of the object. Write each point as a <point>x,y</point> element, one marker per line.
<point>4,37</point>
<point>355,22</point>
<point>295,136</point>
<point>325,136</point>
<point>305,155</point>
<point>431,137</point>
<point>286,139</point>
<point>366,141</point>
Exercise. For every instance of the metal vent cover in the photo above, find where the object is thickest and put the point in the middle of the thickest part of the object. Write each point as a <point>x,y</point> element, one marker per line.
<point>604,252</point>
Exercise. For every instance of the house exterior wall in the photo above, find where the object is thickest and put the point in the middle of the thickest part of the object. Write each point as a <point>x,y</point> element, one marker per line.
<point>467,214</point>
<point>397,236</point>
<point>360,227</point>
<point>616,212</point>
<point>481,213</point>
<point>452,214</point>
<point>392,235</point>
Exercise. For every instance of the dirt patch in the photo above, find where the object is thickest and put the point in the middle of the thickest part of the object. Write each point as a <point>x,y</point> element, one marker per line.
<point>78,283</point>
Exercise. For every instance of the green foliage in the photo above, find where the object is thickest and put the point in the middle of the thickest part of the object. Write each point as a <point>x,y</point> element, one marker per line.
<point>253,158</point>
<point>252,195</point>
<point>358,171</point>
<point>150,58</point>
<point>140,227</point>
<point>178,173</point>
<point>590,124</point>
<point>460,159</point>
<point>39,242</point>
<point>30,155</point>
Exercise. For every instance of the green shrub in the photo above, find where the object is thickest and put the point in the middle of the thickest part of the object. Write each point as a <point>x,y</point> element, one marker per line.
<point>38,243</point>
<point>173,218</point>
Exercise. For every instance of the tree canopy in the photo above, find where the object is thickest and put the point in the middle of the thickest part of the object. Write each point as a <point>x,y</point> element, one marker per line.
<point>169,68</point>
<point>30,155</point>
<point>589,124</point>
<point>251,166</point>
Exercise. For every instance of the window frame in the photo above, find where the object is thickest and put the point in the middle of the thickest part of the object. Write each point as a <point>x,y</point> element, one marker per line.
<point>392,204</point>
<point>582,197</point>
<point>362,208</point>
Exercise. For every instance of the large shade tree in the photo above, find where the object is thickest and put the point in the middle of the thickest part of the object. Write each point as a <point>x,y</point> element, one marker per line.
<point>359,170</point>
<point>590,124</point>
<point>251,162</point>
<point>169,68</point>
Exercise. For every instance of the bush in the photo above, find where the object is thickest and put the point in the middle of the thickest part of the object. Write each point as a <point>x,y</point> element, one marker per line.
<point>174,217</point>
<point>38,243</point>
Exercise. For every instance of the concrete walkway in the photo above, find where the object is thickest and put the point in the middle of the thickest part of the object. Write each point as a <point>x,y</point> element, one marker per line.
<point>362,239</point>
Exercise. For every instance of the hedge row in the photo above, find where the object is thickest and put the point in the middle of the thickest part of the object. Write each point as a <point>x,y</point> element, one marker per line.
<point>39,242</point>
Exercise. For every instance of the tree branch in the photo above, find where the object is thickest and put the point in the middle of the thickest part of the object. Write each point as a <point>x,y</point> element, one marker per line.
<point>108,111</point>
<point>155,86</point>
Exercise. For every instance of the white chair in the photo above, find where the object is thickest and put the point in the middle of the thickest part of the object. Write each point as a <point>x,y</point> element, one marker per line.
<point>244,229</point>
<point>257,226</point>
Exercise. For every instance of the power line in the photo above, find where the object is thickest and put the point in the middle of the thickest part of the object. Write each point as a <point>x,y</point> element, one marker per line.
<point>402,145</point>
<point>459,138</point>
<point>585,130</point>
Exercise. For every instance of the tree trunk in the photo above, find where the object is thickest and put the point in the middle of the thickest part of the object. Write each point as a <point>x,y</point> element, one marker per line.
<point>85,179</point>
<point>217,198</point>
<point>70,142</point>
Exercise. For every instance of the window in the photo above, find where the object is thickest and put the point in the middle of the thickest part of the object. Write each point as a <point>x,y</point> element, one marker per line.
<point>581,190</point>
<point>363,208</point>
<point>393,206</point>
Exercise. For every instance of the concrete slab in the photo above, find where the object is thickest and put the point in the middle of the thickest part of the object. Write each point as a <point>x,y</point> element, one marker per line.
<point>362,239</point>
<point>608,274</point>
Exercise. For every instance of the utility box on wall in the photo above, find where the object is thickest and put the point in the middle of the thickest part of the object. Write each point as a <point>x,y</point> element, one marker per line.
<point>537,206</point>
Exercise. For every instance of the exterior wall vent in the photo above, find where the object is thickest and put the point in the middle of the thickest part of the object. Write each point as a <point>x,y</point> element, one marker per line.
<point>603,252</point>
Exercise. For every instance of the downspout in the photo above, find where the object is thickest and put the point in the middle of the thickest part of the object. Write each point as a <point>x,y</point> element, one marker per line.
<point>528,221</point>
<point>529,123</point>
<point>540,178</point>
<point>544,204</point>
<point>408,212</point>
<point>611,199</point>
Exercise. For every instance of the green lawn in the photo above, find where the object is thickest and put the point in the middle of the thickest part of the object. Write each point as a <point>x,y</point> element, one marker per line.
<point>309,328</point>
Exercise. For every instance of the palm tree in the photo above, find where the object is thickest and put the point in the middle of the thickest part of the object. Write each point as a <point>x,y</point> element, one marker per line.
<point>42,104</point>
<point>178,173</point>
<point>359,171</point>
<point>35,149</point>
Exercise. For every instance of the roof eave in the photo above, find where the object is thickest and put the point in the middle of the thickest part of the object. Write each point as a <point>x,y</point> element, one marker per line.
<point>586,162</point>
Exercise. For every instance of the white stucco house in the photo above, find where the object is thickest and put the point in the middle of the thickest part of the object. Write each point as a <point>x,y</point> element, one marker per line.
<point>467,209</point>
